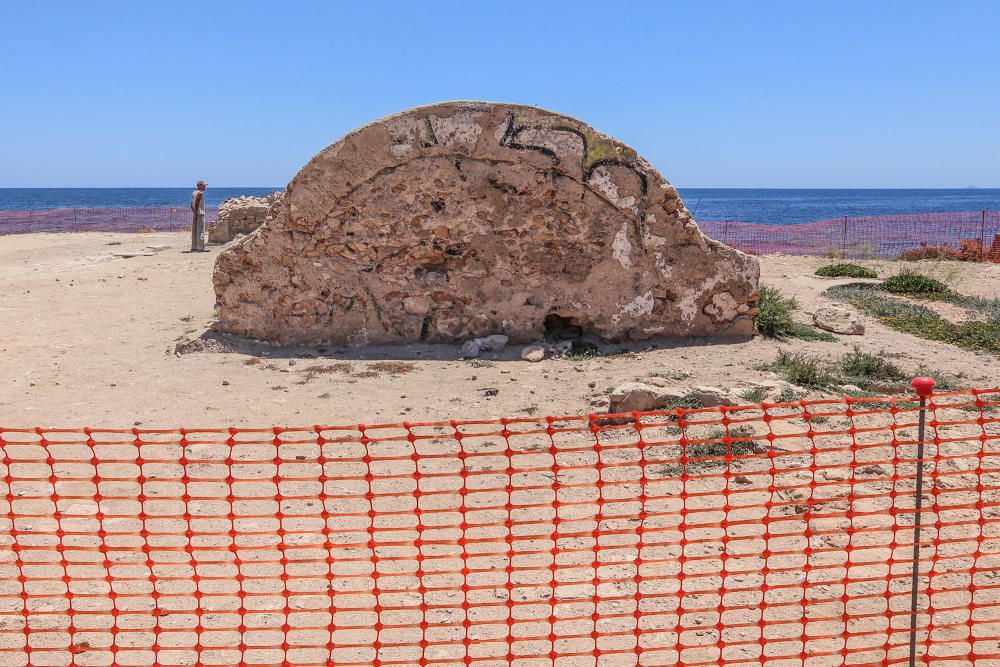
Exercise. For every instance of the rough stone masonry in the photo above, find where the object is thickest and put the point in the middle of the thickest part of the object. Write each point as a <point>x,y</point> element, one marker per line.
<point>466,219</point>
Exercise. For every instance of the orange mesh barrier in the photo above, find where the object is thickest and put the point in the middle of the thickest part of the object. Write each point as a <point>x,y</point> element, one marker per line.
<point>775,534</point>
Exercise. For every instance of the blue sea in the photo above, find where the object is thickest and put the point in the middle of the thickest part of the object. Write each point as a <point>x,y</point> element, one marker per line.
<point>769,206</point>
<point>787,207</point>
<point>33,199</point>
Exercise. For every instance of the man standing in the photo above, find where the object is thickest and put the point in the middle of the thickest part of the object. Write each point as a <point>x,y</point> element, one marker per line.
<point>198,218</point>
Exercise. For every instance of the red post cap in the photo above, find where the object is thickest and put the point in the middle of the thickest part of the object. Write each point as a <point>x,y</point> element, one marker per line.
<point>923,385</point>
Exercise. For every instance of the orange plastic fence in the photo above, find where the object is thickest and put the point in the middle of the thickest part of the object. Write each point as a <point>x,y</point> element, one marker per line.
<point>775,534</point>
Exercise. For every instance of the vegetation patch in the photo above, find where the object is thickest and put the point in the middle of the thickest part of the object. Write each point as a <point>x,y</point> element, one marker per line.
<point>711,451</point>
<point>774,318</point>
<point>845,270</point>
<point>812,334</point>
<point>754,395</point>
<point>910,282</point>
<point>923,322</point>
<point>804,370</point>
<point>865,370</point>
<point>871,372</point>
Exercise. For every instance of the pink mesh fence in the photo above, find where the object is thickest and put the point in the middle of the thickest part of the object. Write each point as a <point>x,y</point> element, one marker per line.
<point>972,235</point>
<point>101,219</point>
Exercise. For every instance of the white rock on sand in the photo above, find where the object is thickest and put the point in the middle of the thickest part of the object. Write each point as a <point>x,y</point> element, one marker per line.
<point>839,320</point>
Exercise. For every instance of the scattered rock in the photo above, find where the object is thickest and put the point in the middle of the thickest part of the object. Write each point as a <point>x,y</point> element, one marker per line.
<point>642,398</point>
<point>533,353</point>
<point>711,397</point>
<point>562,348</point>
<point>291,362</point>
<point>187,345</point>
<point>839,320</point>
<point>493,343</point>
<point>225,383</point>
<point>471,349</point>
<point>240,215</point>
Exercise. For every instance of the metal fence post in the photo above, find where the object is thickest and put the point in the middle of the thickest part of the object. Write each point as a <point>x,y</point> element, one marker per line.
<point>982,237</point>
<point>924,386</point>
<point>843,247</point>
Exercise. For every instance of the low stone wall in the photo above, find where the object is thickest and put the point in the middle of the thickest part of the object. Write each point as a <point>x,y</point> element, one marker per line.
<point>240,215</point>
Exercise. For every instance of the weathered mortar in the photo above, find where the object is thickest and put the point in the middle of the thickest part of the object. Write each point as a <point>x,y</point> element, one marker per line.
<point>468,218</point>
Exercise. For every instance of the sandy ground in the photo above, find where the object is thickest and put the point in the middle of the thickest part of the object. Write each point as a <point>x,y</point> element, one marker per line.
<point>88,337</point>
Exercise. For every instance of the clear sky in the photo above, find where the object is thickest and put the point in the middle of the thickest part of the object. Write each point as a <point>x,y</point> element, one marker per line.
<point>714,94</point>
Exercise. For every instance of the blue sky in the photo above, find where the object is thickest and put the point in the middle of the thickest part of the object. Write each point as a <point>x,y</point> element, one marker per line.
<point>714,94</point>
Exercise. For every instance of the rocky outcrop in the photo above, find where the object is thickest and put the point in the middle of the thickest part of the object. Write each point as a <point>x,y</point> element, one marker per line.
<point>464,219</point>
<point>240,215</point>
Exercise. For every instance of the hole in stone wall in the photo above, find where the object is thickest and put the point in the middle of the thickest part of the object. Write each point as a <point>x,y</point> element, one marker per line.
<point>561,328</point>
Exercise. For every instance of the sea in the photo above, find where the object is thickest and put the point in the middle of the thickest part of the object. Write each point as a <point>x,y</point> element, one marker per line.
<point>766,206</point>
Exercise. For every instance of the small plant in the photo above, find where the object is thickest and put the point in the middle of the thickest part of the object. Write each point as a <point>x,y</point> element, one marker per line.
<point>480,363</point>
<point>716,445</point>
<point>787,395</point>
<point>774,313</point>
<point>803,369</point>
<point>187,318</point>
<point>774,318</point>
<point>812,334</point>
<point>909,282</point>
<point>584,354</point>
<point>754,395</point>
<point>869,370</point>
<point>845,270</point>
<point>686,403</point>
<point>943,381</point>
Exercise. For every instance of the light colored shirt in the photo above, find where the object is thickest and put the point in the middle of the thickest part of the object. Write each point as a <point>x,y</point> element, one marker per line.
<point>201,204</point>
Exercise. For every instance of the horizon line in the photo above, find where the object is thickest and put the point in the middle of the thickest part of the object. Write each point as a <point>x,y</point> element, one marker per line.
<point>679,187</point>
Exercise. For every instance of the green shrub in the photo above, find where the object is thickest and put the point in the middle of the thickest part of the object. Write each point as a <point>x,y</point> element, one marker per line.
<point>716,447</point>
<point>774,318</point>
<point>845,270</point>
<point>925,323</point>
<point>803,369</point>
<point>909,282</point>
<point>809,333</point>
<point>754,395</point>
<point>787,395</point>
<point>868,370</point>
<point>774,313</point>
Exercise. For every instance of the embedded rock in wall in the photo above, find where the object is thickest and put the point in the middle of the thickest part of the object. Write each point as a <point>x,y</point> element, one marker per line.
<point>465,219</point>
<point>240,215</point>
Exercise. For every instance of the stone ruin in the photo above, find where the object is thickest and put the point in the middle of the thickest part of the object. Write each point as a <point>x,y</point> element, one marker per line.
<point>240,215</point>
<point>466,219</point>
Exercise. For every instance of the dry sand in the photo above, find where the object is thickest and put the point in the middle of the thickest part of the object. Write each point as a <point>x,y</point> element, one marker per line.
<point>88,338</point>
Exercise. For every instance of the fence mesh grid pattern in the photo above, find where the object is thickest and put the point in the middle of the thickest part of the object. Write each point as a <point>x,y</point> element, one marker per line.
<point>974,235</point>
<point>777,534</point>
